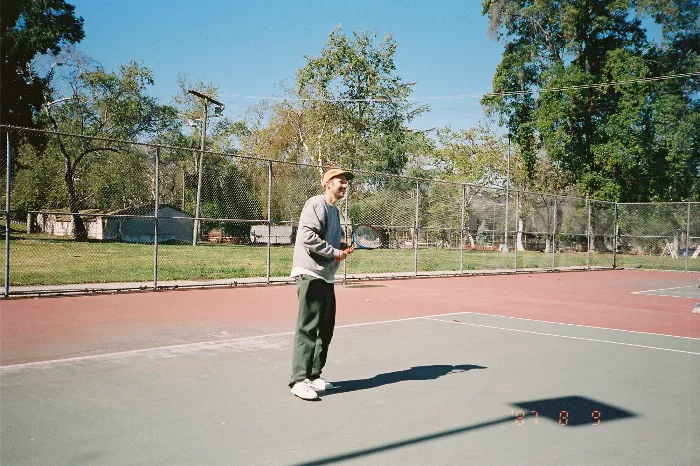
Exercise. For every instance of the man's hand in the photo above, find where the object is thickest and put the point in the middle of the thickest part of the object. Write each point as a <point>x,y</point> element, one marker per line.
<point>344,252</point>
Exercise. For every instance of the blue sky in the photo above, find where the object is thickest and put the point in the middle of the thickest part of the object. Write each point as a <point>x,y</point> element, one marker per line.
<point>246,48</point>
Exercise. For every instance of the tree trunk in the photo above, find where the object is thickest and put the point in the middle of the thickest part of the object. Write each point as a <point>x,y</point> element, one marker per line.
<point>598,244</point>
<point>519,242</point>
<point>676,241</point>
<point>683,241</point>
<point>78,226</point>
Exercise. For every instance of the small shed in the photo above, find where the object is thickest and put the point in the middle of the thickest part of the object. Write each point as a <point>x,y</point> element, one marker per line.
<point>279,234</point>
<point>62,224</point>
<point>135,225</point>
<point>130,225</point>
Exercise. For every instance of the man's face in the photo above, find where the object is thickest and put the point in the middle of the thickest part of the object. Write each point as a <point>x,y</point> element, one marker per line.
<point>337,186</point>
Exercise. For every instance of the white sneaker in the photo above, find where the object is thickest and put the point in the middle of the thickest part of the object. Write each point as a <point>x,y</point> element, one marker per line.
<point>303,390</point>
<point>319,384</point>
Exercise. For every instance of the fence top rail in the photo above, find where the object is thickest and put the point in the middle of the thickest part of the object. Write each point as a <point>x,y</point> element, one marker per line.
<point>660,203</point>
<point>144,144</point>
<point>558,196</point>
<point>147,216</point>
<point>302,164</point>
<point>68,213</point>
<point>227,154</point>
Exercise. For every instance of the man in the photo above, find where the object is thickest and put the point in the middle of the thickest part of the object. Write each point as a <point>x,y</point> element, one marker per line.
<point>317,255</point>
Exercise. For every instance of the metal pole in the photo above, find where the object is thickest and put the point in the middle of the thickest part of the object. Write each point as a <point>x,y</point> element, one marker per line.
<point>269,218</point>
<point>461,232</point>
<point>687,238</point>
<point>195,232</point>
<point>416,234</point>
<point>614,240</point>
<point>517,229</point>
<point>7,218</point>
<point>554,234</point>
<point>219,107</point>
<point>183,188</point>
<point>505,239</point>
<point>588,236</point>
<point>155,221</point>
<point>347,201</point>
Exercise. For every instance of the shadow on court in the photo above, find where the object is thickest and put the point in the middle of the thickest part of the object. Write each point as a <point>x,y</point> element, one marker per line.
<point>551,409</point>
<point>570,411</point>
<point>414,373</point>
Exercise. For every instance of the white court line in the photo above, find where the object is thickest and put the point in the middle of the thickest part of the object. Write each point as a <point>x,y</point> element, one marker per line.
<point>116,354</point>
<point>560,323</point>
<point>200,344</point>
<point>668,295</point>
<point>662,289</point>
<point>93,357</point>
<point>561,336</point>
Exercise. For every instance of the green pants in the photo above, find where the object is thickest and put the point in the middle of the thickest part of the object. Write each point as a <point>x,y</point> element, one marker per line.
<point>314,330</point>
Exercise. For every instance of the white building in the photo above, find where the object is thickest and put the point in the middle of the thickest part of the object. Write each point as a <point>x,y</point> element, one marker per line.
<point>130,225</point>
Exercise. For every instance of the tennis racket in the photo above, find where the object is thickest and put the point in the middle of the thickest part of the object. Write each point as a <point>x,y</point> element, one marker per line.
<point>366,237</point>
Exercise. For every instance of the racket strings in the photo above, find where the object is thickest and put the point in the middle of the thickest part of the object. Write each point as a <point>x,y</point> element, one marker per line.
<point>365,236</point>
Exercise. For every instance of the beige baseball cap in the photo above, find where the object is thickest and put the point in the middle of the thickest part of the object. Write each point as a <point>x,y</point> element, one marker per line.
<point>333,172</point>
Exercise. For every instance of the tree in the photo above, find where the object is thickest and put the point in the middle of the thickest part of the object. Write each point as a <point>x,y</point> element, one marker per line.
<point>30,28</point>
<point>472,156</point>
<point>113,107</point>
<point>229,195</point>
<point>635,140</point>
<point>347,108</point>
<point>356,80</point>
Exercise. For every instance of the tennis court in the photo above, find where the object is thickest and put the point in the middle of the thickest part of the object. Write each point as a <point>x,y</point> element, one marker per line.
<point>548,368</point>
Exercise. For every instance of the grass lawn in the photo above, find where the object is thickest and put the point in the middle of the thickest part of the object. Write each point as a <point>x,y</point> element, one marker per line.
<point>44,260</point>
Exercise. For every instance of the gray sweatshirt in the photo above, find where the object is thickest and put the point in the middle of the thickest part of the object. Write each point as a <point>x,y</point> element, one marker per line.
<point>318,240</point>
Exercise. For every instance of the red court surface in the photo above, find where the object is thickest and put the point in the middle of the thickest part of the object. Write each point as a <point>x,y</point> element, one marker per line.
<point>53,328</point>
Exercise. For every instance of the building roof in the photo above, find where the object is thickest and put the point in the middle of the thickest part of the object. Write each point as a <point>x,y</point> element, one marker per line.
<point>145,209</point>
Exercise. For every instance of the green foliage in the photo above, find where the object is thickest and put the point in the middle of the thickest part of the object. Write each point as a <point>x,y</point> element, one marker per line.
<point>385,208</point>
<point>647,227</point>
<point>39,184</point>
<point>111,105</point>
<point>97,167</point>
<point>227,194</point>
<point>29,29</point>
<point>348,108</point>
<point>365,97</point>
<point>627,142</point>
<point>473,156</point>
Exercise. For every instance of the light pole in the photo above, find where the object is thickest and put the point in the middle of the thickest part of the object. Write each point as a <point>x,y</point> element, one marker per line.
<point>200,165</point>
<point>505,242</point>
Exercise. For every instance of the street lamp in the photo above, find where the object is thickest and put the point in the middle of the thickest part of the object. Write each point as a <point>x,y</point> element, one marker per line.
<point>505,242</point>
<point>218,111</point>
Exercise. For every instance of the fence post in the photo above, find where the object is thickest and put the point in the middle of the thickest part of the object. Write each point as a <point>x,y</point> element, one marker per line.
<point>687,238</point>
<point>517,229</point>
<point>461,232</point>
<point>7,215</point>
<point>155,221</point>
<point>554,234</point>
<point>614,241</point>
<point>347,238</point>
<point>588,235</point>
<point>416,235</point>
<point>505,227</point>
<point>269,218</point>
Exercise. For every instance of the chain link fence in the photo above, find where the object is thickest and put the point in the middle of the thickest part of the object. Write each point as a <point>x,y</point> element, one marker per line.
<point>95,214</point>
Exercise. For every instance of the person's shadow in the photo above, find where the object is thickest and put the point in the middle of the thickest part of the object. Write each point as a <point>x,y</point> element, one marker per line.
<point>414,373</point>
